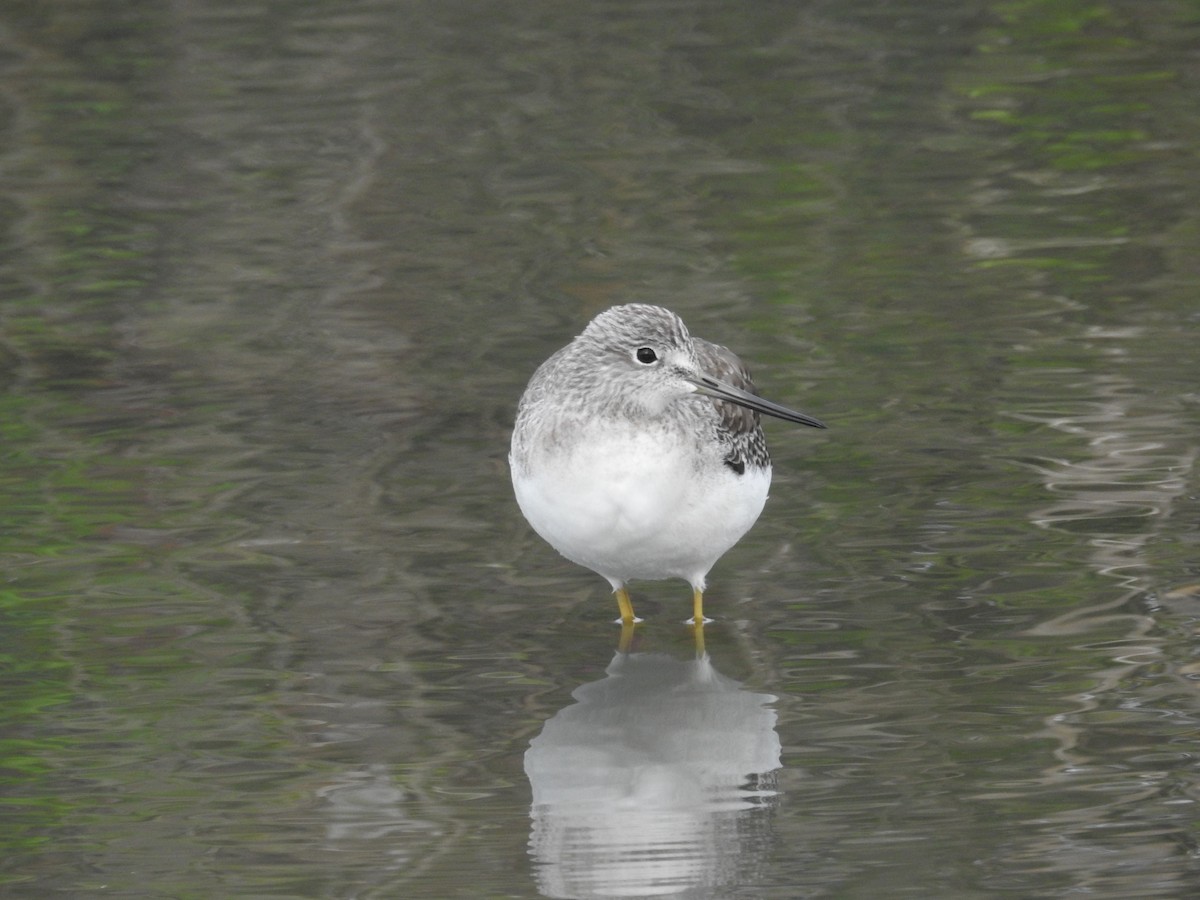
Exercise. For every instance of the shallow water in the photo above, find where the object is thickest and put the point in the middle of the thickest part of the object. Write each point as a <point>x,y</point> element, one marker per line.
<point>273,278</point>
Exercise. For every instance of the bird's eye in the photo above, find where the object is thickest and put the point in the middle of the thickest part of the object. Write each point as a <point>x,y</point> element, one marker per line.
<point>646,356</point>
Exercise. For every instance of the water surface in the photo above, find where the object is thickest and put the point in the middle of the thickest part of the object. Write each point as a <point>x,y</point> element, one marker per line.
<point>273,278</point>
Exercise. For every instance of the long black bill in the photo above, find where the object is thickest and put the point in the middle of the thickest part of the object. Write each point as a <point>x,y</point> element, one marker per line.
<point>719,390</point>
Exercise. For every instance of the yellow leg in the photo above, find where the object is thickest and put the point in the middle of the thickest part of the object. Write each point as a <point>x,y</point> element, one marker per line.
<point>626,640</point>
<point>626,607</point>
<point>698,607</point>
<point>698,634</point>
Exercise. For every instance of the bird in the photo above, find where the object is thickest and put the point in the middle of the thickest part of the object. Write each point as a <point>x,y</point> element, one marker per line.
<point>638,451</point>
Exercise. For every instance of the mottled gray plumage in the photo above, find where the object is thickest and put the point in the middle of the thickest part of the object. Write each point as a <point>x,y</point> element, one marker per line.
<point>739,429</point>
<point>638,450</point>
<point>566,388</point>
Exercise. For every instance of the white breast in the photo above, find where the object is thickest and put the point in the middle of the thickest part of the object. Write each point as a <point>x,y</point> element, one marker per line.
<point>633,503</point>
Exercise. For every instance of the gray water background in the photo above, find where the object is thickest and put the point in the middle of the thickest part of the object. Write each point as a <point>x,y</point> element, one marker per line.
<point>272,278</point>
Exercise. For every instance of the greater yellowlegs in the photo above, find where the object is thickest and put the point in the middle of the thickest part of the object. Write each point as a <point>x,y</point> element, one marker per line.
<point>638,453</point>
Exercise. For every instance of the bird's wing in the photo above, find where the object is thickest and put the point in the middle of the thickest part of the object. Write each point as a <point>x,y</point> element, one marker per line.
<point>739,428</point>
<point>723,364</point>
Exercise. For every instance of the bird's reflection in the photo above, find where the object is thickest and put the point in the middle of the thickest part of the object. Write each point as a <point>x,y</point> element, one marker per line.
<point>659,778</point>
